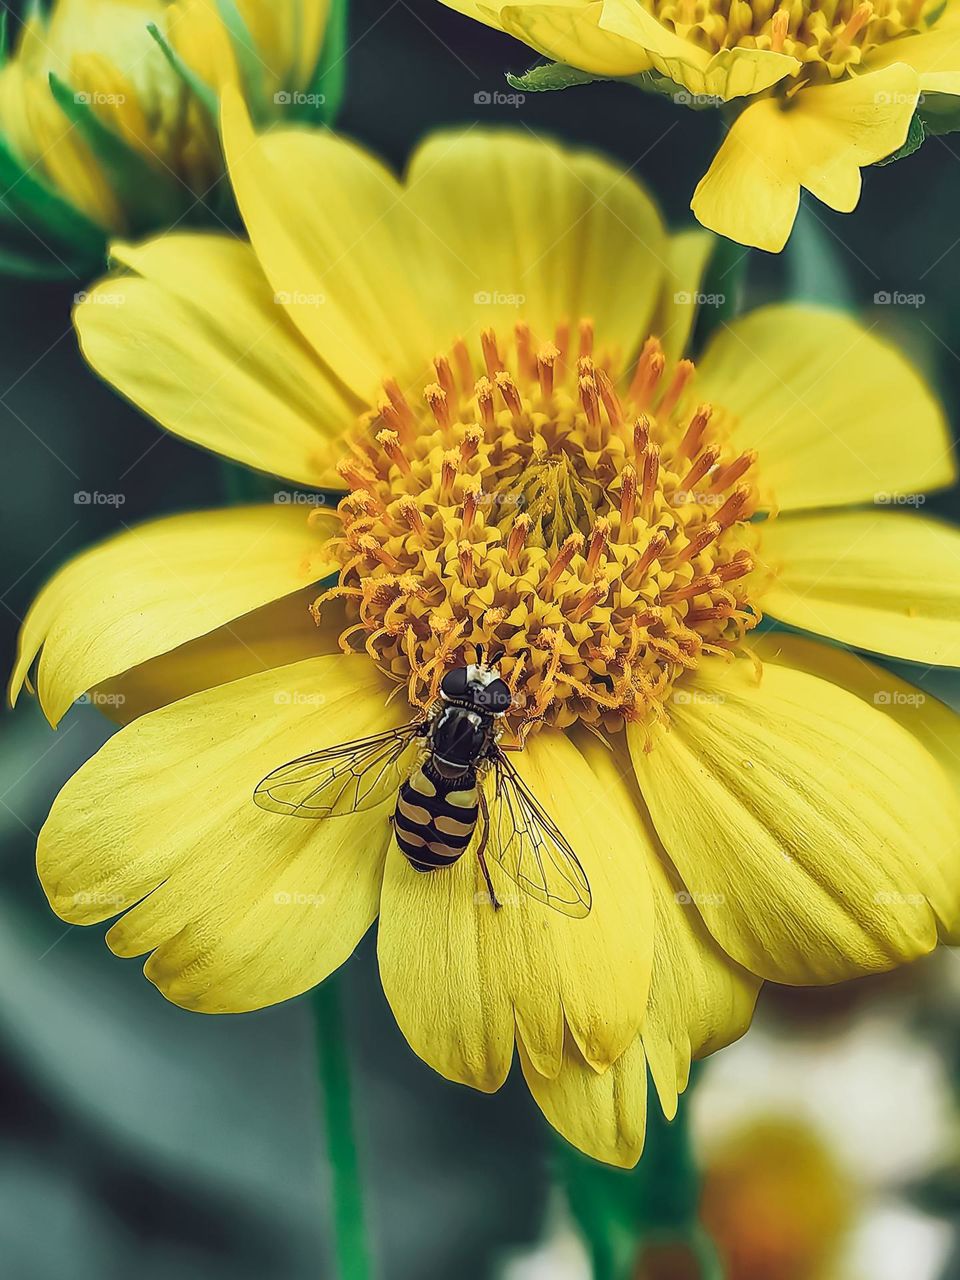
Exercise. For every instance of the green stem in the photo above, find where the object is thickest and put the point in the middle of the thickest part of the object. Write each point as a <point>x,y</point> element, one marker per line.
<point>634,1222</point>
<point>725,280</point>
<point>350,1236</point>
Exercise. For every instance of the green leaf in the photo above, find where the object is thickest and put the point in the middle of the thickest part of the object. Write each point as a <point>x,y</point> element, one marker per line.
<point>199,88</point>
<point>915,136</point>
<point>549,76</point>
<point>148,195</point>
<point>329,80</point>
<point>4,34</point>
<point>940,113</point>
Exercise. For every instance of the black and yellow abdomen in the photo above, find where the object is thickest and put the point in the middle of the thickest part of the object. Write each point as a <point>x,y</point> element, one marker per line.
<point>435,817</point>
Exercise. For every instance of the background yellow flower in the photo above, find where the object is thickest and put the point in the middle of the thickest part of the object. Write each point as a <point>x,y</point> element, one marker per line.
<point>811,93</point>
<point>108,107</point>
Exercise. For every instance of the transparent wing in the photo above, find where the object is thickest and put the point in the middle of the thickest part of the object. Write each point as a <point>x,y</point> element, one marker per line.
<point>530,847</point>
<point>343,779</point>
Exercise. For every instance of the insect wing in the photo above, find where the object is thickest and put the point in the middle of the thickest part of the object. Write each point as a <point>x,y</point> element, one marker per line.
<point>530,847</point>
<point>339,780</point>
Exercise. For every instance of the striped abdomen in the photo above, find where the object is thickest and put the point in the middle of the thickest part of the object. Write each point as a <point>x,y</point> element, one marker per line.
<point>435,818</point>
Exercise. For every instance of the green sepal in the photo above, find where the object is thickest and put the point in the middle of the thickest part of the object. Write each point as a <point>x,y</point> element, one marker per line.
<point>147,195</point>
<point>664,87</point>
<point>35,218</point>
<point>249,65</point>
<point>936,114</point>
<point>198,87</point>
<point>329,80</point>
<point>549,76</point>
<point>914,139</point>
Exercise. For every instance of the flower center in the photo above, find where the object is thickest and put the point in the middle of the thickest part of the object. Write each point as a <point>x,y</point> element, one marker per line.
<point>593,527</point>
<point>837,34</point>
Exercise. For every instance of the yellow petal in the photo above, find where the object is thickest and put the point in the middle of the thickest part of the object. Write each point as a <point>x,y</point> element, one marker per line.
<point>459,975</point>
<point>727,74</point>
<point>150,589</point>
<point>820,140</point>
<point>935,54</point>
<point>602,1115</point>
<point>245,908</point>
<point>197,32</point>
<point>569,31</point>
<point>836,414</point>
<point>931,721</point>
<point>198,341</point>
<point>328,224</point>
<point>802,822</point>
<point>275,635</point>
<point>519,229</point>
<point>688,253</point>
<point>700,1000</point>
<point>882,580</point>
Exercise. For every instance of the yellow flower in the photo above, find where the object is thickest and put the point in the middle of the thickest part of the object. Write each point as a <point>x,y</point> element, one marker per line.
<point>90,78</point>
<point>488,355</point>
<point>819,90</point>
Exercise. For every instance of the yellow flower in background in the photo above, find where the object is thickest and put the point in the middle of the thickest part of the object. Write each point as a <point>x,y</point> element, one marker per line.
<point>498,379</point>
<point>818,91</point>
<point>120,123</point>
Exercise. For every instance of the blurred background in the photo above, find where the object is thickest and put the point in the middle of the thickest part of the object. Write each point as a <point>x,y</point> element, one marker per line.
<point>138,1139</point>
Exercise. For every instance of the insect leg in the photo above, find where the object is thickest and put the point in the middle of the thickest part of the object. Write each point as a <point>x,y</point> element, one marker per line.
<point>481,849</point>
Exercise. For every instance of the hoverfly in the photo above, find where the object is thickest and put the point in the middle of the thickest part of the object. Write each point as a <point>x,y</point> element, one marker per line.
<point>440,797</point>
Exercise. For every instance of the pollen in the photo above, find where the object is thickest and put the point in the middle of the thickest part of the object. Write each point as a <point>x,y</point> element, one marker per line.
<point>591,523</point>
<point>831,38</point>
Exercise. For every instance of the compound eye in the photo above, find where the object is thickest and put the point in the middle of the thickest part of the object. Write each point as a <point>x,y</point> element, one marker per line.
<point>454,683</point>
<point>496,697</point>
